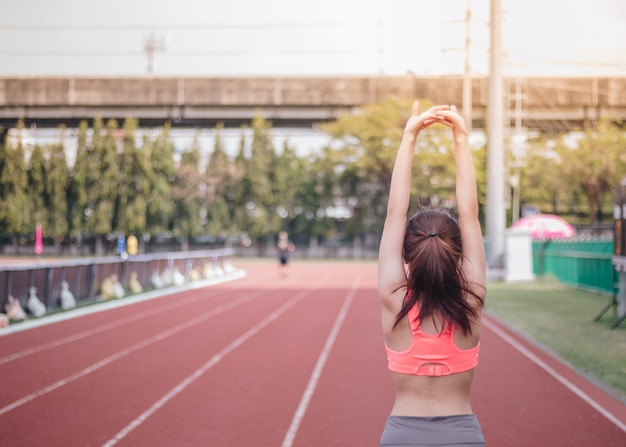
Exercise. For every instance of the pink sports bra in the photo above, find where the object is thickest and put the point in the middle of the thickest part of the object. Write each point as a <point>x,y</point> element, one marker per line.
<point>431,354</point>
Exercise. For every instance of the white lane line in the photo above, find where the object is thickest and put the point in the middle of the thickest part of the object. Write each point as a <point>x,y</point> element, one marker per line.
<point>124,352</point>
<point>547,368</point>
<point>204,368</point>
<point>99,329</point>
<point>319,367</point>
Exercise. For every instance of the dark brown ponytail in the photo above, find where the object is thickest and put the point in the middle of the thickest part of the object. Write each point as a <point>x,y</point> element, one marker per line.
<point>435,281</point>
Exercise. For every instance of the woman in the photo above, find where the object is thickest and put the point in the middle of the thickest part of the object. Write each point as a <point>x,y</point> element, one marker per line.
<point>431,282</point>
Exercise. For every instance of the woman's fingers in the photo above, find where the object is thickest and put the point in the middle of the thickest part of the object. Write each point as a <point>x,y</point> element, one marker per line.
<point>450,114</point>
<point>435,109</point>
<point>436,114</point>
<point>415,111</point>
<point>436,118</point>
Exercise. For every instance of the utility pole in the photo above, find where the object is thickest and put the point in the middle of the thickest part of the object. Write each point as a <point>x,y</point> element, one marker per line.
<point>496,218</point>
<point>516,149</point>
<point>381,47</point>
<point>152,44</point>
<point>467,72</point>
<point>466,106</point>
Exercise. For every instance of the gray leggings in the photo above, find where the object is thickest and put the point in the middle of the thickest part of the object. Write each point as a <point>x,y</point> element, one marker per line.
<point>441,431</point>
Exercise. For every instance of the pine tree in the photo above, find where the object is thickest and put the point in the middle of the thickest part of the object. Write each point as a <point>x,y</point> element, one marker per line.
<point>83,176</point>
<point>288,180</point>
<point>160,207</point>
<point>57,183</point>
<point>186,196</point>
<point>220,197</point>
<point>13,184</point>
<point>137,207</point>
<point>241,186</point>
<point>260,205</point>
<point>38,198</point>
<point>127,160</point>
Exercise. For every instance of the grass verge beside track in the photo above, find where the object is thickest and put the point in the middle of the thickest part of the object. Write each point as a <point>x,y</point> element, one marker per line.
<point>561,319</point>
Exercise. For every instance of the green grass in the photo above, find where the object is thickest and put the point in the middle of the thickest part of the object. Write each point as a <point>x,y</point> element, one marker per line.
<point>561,319</point>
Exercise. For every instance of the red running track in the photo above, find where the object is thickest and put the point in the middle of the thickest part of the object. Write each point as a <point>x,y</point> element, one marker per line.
<point>267,361</point>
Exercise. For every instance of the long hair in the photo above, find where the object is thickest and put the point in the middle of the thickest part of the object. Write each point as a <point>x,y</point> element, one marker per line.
<point>436,282</point>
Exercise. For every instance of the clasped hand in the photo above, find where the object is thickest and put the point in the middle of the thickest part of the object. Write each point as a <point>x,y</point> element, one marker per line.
<point>443,114</point>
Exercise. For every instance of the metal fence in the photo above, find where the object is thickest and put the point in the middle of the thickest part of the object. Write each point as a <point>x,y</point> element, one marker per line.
<point>584,264</point>
<point>85,276</point>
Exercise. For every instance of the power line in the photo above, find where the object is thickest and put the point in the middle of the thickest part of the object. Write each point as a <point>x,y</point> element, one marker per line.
<point>595,91</point>
<point>191,26</point>
<point>26,53</point>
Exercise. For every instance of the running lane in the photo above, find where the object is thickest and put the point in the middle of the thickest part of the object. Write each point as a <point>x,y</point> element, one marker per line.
<point>525,397</point>
<point>268,361</point>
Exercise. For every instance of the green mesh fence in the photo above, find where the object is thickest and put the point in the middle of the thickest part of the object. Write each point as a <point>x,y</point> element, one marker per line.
<point>583,264</point>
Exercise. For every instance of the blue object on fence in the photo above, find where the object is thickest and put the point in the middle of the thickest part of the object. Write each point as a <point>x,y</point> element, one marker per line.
<point>121,245</point>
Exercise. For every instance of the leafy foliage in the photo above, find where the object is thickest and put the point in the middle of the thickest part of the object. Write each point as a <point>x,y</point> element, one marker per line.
<point>122,183</point>
<point>576,178</point>
<point>13,188</point>
<point>56,189</point>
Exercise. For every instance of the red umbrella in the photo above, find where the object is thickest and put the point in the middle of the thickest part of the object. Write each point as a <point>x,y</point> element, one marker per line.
<point>38,240</point>
<point>545,226</point>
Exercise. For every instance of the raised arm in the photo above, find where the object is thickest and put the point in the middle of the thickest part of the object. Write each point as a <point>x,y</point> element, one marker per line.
<point>474,264</point>
<point>391,273</point>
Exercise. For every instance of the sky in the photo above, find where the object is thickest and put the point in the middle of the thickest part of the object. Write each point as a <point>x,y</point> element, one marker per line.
<point>315,38</point>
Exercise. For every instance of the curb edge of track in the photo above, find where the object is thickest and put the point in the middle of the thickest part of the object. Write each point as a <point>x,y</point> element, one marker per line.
<point>112,304</point>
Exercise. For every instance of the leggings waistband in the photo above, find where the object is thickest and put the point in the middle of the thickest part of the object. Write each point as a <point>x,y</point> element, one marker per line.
<point>440,431</point>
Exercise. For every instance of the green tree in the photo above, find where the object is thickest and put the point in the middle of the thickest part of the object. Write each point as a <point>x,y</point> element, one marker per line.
<point>133,184</point>
<point>219,197</point>
<point>127,161</point>
<point>287,181</point>
<point>90,193</point>
<point>13,184</point>
<point>57,184</point>
<point>596,165</point>
<point>137,209</point>
<point>368,145</point>
<point>296,196</point>
<point>83,179</point>
<point>160,207</point>
<point>320,189</point>
<point>241,187</point>
<point>435,171</point>
<point>259,175</point>
<point>100,222</point>
<point>540,185</point>
<point>186,196</point>
<point>37,196</point>
<point>255,210</point>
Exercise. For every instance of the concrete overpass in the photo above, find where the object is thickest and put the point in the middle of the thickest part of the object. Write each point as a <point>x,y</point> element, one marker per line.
<point>550,105</point>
